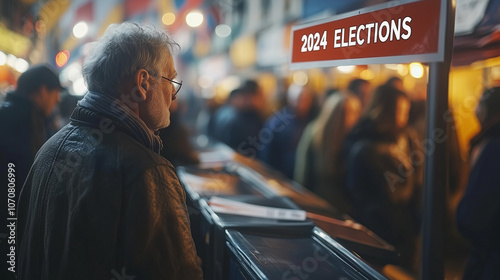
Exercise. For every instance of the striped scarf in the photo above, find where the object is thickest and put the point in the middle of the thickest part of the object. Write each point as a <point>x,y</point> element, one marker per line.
<point>115,109</point>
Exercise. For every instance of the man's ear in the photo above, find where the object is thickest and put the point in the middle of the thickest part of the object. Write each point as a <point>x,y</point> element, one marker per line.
<point>141,82</point>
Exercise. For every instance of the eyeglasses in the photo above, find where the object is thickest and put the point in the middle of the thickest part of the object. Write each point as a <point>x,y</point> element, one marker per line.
<point>177,86</point>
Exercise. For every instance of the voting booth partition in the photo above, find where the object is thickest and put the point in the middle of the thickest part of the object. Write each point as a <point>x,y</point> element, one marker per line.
<point>282,231</point>
<point>353,235</point>
<point>313,254</point>
<point>202,183</point>
<point>214,226</point>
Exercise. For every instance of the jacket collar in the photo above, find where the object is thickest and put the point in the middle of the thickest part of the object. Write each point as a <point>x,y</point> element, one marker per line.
<point>97,109</point>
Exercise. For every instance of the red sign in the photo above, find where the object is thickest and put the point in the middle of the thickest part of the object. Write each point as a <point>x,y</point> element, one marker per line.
<point>380,34</point>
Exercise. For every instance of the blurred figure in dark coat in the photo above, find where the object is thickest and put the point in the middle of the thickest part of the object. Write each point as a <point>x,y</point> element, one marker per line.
<point>361,89</point>
<point>24,127</point>
<point>395,82</point>
<point>24,117</point>
<point>381,178</point>
<point>282,131</point>
<point>177,147</point>
<point>478,214</point>
<point>239,118</point>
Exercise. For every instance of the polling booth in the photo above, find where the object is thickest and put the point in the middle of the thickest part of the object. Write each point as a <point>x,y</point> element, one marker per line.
<point>292,255</point>
<point>224,193</point>
<point>231,209</point>
<point>249,222</point>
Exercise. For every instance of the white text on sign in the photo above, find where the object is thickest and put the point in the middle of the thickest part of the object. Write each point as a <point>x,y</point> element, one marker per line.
<point>312,42</point>
<point>393,30</point>
<point>370,33</point>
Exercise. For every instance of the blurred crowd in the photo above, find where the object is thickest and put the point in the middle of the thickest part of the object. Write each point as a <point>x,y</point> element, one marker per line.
<point>353,147</point>
<point>361,148</point>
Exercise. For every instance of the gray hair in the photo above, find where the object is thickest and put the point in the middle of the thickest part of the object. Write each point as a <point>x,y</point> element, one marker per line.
<point>121,51</point>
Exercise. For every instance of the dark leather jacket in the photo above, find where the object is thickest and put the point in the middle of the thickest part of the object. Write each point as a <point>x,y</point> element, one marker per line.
<point>382,181</point>
<point>97,204</point>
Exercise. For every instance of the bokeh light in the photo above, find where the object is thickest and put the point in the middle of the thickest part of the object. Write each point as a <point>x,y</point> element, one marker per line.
<point>300,78</point>
<point>80,29</point>
<point>346,69</point>
<point>168,18</point>
<point>391,66</point>
<point>194,19</point>
<point>367,74</point>
<point>79,87</point>
<point>416,70</point>
<point>205,81</point>
<point>402,70</point>
<point>11,60</point>
<point>223,30</point>
<point>21,65</point>
<point>62,58</point>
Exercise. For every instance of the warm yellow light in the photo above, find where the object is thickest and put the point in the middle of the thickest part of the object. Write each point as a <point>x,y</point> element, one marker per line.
<point>62,58</point>
<point>416,70</point>
<point>391,66</point>
<point>367,74</point>
<point>300,78</point>
<point>346,69</point>
<point>402,70</point>
<point>168,18</point>
<point>243,52</point>
<point>194,18</point>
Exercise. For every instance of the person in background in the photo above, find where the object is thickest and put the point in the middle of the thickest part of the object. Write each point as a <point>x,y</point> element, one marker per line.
<point>100,200</point>
<point>321,99</point>
<point>416,116</point>
<point>177,147</point>
<point>318,165</point>
<point>361,89</point>
<point>24,126</point>
<point>205,119</point>
<point>381,178</point>
<point>24,117</point>
<point>285,128</point>
<point>240,117</point>
<point>395,82</point>
<point>478,213</point>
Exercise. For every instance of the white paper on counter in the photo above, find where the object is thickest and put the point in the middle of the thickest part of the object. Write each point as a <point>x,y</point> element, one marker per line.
<point>228,206</point>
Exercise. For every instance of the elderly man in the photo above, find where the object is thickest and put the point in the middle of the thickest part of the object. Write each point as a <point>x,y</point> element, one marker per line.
<point>99,201</point>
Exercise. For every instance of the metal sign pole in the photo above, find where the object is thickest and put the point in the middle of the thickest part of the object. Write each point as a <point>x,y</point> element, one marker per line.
<point>436,163</point>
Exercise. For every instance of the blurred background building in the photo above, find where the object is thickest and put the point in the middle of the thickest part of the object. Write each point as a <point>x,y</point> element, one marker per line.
<point>224,42</point>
